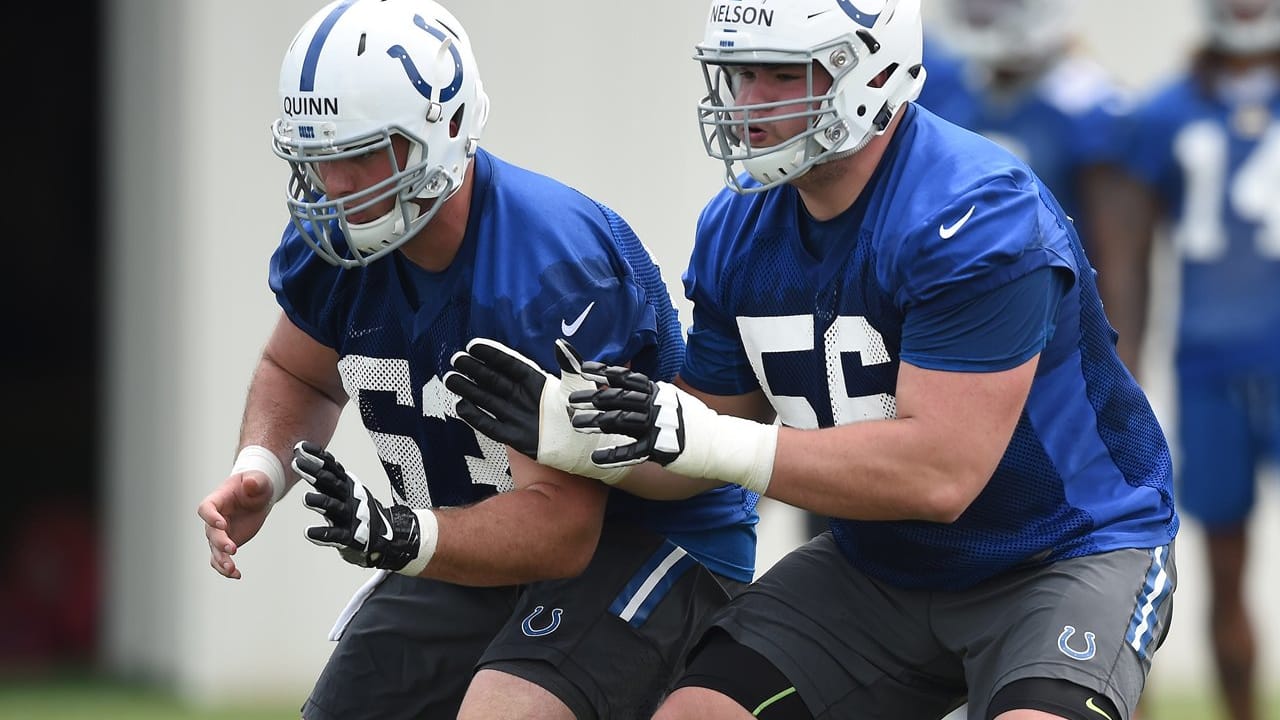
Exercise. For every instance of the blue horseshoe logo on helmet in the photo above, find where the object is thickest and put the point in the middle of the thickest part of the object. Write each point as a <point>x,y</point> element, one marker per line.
<point>422,86</point>
<point>1090,647</point>
<point>526,625</point>
<point>864,19</point>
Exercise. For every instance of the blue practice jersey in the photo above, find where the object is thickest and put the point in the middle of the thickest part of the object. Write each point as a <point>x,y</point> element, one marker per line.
<point>539,261</point>
<point>947,219</point>
<point>1069,118</point>
<point>1215,165</point>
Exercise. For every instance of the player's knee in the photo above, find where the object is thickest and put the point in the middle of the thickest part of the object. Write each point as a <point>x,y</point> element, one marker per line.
<point>695,703</point>
<point>726,674</point>
<point>1060,697</point>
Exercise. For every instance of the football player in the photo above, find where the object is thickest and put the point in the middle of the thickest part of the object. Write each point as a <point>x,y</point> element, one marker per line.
<point>502,588</point>
<point>894,325</point>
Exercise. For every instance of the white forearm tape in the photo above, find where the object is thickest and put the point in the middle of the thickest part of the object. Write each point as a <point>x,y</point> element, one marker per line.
<point>256,457</point>
<point>429,530</point>
<point>746,451</point>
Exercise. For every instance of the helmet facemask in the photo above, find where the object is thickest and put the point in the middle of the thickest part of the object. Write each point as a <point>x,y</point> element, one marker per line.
<point>725,123</point>
<point>325,223</point>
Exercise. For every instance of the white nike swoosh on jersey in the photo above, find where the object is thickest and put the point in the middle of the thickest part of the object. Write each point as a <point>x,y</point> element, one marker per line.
<point>569,328</point>
<point>946,232</point>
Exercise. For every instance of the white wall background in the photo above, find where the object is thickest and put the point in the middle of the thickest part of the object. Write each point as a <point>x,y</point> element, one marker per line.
<point>597,93</point>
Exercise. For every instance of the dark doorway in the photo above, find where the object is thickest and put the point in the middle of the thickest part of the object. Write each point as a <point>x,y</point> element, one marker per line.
<point>51,463</point>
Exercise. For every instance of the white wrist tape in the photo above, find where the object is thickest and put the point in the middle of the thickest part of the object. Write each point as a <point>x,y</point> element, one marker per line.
<point>723,447</point>
<point>745,452</point>
<point>429,530</point>
<point>256,457</point>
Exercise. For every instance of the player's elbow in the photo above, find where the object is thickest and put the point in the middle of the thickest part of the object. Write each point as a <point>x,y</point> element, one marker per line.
<point>571,536</point>
<point>571,554</point>
<point>950,495</point>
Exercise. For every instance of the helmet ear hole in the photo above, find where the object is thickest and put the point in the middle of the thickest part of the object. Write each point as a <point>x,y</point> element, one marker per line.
<point>455,123</point>
<point>883,77</point>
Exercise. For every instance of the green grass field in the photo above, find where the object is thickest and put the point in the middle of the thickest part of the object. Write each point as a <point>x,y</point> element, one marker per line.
<point>87,699</point>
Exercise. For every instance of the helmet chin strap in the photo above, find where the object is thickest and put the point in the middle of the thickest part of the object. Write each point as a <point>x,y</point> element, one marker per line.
<point>784,161</point>
<point>367,238</point>
<point>779,164</point>
<point>847,151</point>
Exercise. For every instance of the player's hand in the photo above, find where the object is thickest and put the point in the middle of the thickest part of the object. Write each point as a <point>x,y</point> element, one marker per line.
<point>507,397</point>
<point>233,513</point>
<point>672,428</point>
<point>365,532</point>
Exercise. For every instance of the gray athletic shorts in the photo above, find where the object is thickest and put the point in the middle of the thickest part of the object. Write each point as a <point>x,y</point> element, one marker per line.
<point>856,647</point>
<point>608,643</point>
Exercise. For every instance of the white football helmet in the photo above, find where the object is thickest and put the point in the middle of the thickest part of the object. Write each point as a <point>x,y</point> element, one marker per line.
<point>1004,32</point>
<point>856,42</point>
<point>358,73</point>
<point>1243,26</point>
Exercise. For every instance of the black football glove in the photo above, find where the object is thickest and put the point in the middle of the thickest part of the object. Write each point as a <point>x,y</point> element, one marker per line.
<point>631,405</point>
<point>365,532</point>
<point>507,397</point>
<point>673,428</point>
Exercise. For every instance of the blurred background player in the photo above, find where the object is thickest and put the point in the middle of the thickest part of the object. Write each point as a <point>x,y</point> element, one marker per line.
<point>1008,70</point>
<point>1205,155</point>
<point>504,589</point>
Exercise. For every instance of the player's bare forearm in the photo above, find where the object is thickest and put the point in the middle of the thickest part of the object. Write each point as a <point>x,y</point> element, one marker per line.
<point>296,394</point>
<point>546,528</point>
<point>281,409</point>
<point>929,463</point>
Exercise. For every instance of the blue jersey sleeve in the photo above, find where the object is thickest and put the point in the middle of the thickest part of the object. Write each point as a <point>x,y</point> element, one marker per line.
<point>987,236</point>
<point>995,331</point>
<point>551,262</point>
<point>716,363</point>
<point>715,360</point>
<point>308,289</point>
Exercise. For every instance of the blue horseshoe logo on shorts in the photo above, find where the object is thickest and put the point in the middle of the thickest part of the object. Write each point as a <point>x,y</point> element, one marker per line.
<point>526,625</point>
<point>422,86</point>
<point>1090,647</point>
